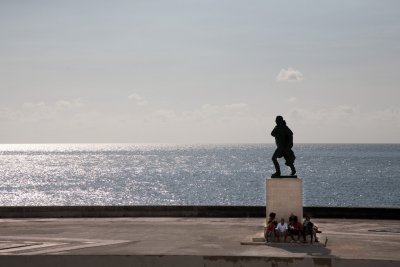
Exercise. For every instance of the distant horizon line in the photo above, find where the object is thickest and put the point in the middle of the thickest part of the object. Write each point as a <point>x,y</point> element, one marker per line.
<point>200,143</point>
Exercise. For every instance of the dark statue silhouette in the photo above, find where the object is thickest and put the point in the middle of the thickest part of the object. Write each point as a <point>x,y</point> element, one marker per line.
<point>284,142</point>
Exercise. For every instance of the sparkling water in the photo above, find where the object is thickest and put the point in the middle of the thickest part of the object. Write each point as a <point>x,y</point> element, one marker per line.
<point>341,175</point>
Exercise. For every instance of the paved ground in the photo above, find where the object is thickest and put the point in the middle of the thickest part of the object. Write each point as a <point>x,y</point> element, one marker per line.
<point>347,239</point>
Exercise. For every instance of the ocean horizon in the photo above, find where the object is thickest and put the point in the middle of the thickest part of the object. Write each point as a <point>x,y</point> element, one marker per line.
<point>334,174</point>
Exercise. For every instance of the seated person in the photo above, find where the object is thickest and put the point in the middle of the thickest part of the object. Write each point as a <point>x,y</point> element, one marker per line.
<point>269,230</point>
<point>291,218</point>
<point>308,229</point>
<point>295,228</point>
<point>315,227</point>
<point>281,230</point>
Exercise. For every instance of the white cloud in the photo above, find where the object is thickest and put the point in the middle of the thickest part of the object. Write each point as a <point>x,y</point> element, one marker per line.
<point>7,114</point>
<point>236,106</point>
<point>37,112</point>
<point>42,111</point>
<point>30,105</point>
<point>391,114</point>
<point>58,105</point>
<point>346,123</point>
<point>138,99</point>
<point>292,100</point>
<point>64,104</point>
<point>289,75</point>
<point>165,114</point>
<point>209,122</point>
<point>206,112</point>
<point>341,114</point>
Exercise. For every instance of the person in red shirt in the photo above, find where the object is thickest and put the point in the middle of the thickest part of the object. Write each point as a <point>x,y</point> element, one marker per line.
<point>269,230</point>
<point>295,229</point>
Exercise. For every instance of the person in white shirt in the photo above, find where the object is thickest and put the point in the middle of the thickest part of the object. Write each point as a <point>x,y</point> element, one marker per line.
<point>281,230</point>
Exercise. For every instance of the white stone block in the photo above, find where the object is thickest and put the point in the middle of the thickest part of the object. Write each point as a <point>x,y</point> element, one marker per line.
<point>285,196</point>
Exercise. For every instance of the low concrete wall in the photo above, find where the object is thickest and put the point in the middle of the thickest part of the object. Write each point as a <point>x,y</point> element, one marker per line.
<point>131,211</point>
<point>353,213</point>
<point>188,211</point>
<point>183,261</point>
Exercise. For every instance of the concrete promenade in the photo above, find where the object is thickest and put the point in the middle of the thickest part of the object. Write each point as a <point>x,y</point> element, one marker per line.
<point>191,242</point>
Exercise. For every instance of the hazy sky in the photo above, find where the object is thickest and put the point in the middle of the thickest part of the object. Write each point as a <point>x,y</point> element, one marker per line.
<point>199,71</point>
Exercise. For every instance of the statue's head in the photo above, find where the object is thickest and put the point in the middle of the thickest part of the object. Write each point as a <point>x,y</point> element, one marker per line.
<point>279,120</point>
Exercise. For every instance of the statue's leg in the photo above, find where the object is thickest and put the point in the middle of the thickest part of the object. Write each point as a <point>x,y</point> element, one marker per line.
<point>276,163</point>
<point>293,169</point>
<point>290,157</point>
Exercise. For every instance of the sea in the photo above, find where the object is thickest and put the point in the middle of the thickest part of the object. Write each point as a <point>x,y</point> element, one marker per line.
<point>334,175</point>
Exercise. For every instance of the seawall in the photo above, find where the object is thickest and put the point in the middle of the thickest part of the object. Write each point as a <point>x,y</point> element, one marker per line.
<point>188,211</point>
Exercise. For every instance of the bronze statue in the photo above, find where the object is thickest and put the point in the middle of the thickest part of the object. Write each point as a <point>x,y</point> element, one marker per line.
<point>284,142</point>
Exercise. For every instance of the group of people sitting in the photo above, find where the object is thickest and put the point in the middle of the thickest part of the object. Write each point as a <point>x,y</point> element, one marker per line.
<point>295,230</point>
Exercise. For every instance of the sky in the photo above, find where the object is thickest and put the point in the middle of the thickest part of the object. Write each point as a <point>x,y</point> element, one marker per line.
<point>199,71</point>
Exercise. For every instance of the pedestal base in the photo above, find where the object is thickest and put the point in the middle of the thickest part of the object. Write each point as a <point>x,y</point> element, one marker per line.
<point>285,196</point>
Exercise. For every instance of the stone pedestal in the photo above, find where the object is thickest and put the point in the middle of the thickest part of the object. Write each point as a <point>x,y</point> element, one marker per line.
<point>285,196</point>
